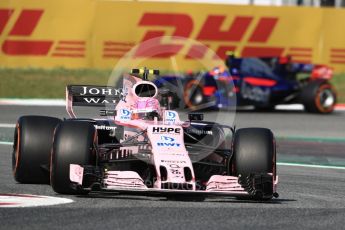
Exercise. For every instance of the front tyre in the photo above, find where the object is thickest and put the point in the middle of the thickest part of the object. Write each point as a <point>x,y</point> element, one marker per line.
<point>254,159</point>
<point>74,143</point>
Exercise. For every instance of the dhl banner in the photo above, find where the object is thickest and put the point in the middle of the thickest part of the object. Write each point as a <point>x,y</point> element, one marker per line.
<point>95,33</point>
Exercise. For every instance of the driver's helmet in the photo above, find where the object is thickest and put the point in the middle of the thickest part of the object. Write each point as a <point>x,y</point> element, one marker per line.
<point>146,108</point>
<point>219,71</point>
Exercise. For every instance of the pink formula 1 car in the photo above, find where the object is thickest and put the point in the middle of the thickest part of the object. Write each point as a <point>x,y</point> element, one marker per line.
<point>142,147</point>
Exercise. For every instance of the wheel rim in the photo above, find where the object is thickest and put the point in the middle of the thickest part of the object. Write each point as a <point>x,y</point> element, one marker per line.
<point>326,98</point>
<point>196,97</point>
<point>193,94</point>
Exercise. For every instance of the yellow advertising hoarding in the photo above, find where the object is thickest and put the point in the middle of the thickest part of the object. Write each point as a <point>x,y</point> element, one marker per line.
<point>94,33</point>
<point>46,33</point>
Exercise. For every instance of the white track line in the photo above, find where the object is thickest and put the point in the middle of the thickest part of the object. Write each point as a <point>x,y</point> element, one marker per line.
<point>29,200</point>
<point>6,143</point>
<point>4,125</point>
<point>33,102</point>
<point>311,166</point>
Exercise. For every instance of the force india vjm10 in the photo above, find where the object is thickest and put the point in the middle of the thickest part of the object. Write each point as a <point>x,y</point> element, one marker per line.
<point>142,147</point>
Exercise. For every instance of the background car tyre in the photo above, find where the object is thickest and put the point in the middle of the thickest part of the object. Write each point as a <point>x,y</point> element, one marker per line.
<point>74,143</point>
<point>319,97</point>
<point>33,139</point>
<point>193,95</point>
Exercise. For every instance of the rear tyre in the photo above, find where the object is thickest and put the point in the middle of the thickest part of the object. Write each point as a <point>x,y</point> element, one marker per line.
<point>32,145</point>
<point>254,154</point>
<point>319,97</point>
<point>74,143</point>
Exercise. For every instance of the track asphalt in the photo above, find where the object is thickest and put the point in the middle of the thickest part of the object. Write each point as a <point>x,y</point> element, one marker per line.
<point>310,198</point>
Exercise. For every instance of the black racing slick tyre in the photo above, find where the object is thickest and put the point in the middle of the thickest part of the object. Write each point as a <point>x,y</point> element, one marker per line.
<point>33,139</point>
<point>319,97</point>
<point>254,151</point>
<point>74,143</point>
<point>254,162</point>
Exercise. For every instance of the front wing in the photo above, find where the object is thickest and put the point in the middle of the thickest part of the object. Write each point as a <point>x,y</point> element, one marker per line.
<point>254,186</point>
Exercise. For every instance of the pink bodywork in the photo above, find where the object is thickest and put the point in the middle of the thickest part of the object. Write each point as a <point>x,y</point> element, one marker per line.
<point>166,144</point>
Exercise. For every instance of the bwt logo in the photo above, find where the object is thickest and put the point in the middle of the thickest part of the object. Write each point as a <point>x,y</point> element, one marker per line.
<point>210,31</point>
<point>168,142</point>
<point>164,144</point>
<point>125,112</point>
<point>167,139</point>
<point>23,28</point>
<point>171,115</point>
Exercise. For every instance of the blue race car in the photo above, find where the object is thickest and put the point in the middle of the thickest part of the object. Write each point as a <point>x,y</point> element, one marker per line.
<point>259,82</point>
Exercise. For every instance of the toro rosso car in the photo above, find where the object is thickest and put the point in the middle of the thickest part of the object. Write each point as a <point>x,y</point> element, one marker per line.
<point>142,147</point>
<point>259,82</point>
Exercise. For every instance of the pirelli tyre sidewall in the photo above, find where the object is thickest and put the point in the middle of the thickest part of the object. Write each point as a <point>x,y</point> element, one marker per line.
<point>33,139</point>
<point>74,143</point>
<point>254,152</point>
<point>319,96</point>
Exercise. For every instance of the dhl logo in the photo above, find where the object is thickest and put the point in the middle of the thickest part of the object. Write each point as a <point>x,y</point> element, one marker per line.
<point>337,56</point>
<point>20,43</point>
<point>239,31</point>
<point>211,31</point>
<point>183,26</point>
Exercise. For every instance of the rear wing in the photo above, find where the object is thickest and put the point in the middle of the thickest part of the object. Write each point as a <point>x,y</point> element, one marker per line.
<point>90,95</point>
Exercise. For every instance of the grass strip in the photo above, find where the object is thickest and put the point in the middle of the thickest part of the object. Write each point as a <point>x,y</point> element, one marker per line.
<point>43,83</point>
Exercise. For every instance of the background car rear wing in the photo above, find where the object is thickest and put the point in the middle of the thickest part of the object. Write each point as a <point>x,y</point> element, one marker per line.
<point>90,95</point>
